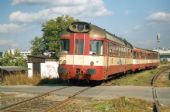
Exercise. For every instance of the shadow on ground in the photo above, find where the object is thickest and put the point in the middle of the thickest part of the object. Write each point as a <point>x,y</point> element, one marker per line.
<point>58,82</point>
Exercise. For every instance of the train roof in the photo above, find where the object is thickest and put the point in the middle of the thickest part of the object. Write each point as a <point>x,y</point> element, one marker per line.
<point>109,35</point>
<point>137,48</point>
<point>95,32</point>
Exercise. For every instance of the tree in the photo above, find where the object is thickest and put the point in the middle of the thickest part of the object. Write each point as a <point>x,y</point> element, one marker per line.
<point>51,32</point>
<point>49,42</point>
<point>10,58</point>
<point>38,46</point>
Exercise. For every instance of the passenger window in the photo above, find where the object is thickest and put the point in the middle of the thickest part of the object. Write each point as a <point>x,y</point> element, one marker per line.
<point>116,50</point>
<point>96,47</point>
<point>64,45</point>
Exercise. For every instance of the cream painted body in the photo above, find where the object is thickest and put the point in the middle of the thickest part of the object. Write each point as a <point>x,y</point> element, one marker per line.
<point>82,60</point>
<point>145,61</point>
<point>119,61</point>
<point>98,60</point>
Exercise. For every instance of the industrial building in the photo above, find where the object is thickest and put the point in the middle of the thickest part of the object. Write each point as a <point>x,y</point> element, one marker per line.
<point>164,54</point>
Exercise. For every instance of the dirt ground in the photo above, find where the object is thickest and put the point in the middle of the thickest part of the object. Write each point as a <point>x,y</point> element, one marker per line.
<point>122,104</point>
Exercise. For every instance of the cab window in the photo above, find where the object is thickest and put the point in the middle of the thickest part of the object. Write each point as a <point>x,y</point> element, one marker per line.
<point>64,45</point>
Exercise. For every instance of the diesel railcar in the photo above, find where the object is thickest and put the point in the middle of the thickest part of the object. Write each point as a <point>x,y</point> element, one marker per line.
<point>89,52</point>
<point>144,59</point>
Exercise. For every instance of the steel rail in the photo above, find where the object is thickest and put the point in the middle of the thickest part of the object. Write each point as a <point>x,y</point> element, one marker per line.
<point>64,102</point>
<point>31,99</point>
<point>156,104</point>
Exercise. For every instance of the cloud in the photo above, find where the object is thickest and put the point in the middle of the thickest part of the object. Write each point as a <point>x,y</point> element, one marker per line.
<point>9,43</point>
<point>8,28</point>
<point>50,2</point>
<point>159,17</point>
<point>19,16</point>
<point>76,8</point>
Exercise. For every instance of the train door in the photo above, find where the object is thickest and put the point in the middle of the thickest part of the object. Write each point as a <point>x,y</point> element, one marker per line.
<point>79,48</point>
<point>106,54</point>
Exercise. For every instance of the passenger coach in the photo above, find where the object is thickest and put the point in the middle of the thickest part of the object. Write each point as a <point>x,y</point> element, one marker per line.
<point>144,59</point>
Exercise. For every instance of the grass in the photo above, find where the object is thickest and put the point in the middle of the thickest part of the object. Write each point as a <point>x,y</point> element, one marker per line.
<point>163,80</point>
<point>123,104</point>
<point>142,78</point>
<point>137,79</point>
<point>6,96</point>
<point>20,79</point>
<point>23,79</point>
<point>165,109</point>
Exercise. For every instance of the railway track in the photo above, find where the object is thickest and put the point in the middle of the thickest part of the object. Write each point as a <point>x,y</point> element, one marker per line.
<point>40,103</point>
<point>66,101</point>
<point>156,104</point>
<point>11,100</point>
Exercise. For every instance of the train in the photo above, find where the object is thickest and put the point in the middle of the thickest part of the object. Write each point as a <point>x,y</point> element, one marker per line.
<point>91,53</point>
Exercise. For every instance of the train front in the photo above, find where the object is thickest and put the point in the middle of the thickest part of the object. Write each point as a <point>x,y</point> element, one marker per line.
<point>82,52</point>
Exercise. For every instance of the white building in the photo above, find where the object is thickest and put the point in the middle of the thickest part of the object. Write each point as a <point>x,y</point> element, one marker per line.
<point>43,66</point>
<point>25,54</point>
<point>164,54</point>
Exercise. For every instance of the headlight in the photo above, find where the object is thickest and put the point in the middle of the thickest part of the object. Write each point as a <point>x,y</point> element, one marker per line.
<point>64,62</point>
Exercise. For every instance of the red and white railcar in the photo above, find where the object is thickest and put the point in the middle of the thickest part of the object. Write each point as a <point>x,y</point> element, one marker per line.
<point>89,52</point>
<point>143,59</point>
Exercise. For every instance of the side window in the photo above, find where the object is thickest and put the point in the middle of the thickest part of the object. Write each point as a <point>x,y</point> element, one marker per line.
<point>116,50</point>
<point>111,47</point>
<point>64,45</point>
<point>124,52</point>
<point>119,51</point>
<point>134,55</point>
<point>96,47</point>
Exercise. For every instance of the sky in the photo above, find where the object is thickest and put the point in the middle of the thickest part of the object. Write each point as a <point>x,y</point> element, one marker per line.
<point>138,21</point>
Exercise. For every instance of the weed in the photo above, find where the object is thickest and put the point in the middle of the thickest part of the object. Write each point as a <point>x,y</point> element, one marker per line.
<point>20,79</point>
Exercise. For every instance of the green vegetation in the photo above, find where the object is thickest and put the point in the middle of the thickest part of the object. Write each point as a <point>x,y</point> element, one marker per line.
<point>49,42</point>
<point>12,59</point>
<point>143,78</point>
<point>137,79</point>
<point>38,46</point>
<point>123,104</point>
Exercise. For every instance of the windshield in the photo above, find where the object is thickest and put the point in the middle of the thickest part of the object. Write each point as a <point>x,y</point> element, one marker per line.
<point>96,47</point>
<point>64,44</point>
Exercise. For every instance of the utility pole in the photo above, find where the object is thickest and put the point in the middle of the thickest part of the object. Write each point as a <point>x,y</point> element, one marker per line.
<point>158,41</point>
